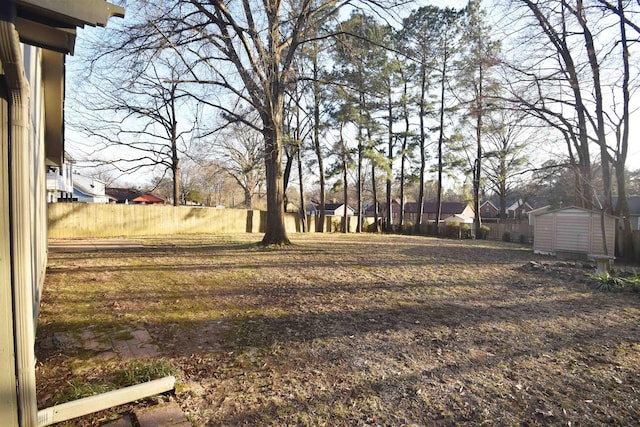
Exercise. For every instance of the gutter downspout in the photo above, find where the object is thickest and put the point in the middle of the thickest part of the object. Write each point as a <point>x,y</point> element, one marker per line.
<point>20,213</point>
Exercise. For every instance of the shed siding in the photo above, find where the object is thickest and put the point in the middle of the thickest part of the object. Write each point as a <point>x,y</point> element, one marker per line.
<point>596,240</point>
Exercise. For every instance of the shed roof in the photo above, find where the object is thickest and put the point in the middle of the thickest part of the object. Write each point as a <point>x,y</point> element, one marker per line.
<point>542,211</point>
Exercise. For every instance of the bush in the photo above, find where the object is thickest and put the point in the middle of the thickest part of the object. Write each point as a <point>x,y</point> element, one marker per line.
<point>432,230</point>
<point>484,232</point>
<point>452,230</point>
<point>465,231</point>
<point>506,236</point>
<point>408,228</point>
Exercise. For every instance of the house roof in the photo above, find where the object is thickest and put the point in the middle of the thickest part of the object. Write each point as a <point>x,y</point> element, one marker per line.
<point>86,185</point>
<point>634,204</point>
<point>148,198</point>
<point>448,208</point>
<point>134,196</point>
<point>334,206</point>
<point>511,204</point>
<point>458,218</point>
<point>52,25</point>
<point>122,194</point>
<point>488,202</point>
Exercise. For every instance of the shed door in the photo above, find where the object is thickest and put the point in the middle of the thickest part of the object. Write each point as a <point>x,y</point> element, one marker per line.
<point>573,233</point>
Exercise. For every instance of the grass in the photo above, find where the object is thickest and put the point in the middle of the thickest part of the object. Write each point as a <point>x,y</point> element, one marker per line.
<point>108,377</point>
<point>351,330</point>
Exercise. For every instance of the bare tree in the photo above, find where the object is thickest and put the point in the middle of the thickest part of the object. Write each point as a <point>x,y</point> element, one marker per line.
<point>239,152</point>
<point>134,114</point>
<point>580,76</point>
<point>246,50</point>
<point>477,87</point>
<point>508,141</point>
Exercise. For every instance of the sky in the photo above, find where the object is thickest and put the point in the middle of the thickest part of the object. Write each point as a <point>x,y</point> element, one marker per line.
<point>75,139</point>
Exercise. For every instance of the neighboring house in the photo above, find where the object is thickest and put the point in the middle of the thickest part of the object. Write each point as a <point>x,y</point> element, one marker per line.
<point>518,209</point>
<point>429,211</point>
<point>382,211</point>
<point>89,190</point>
<point>337,209</point>
<point>131,196</point>
<point>515,209</point>
<point>634,210</point>
<point>330,209</point>
<point>60,181</point>
<point>35,35</point>
<point>572,232</point>
<point>489,210</point>
<point>459,219</point>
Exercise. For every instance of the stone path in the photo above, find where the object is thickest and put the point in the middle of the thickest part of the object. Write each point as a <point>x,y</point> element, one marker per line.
<point>126,344</point>
<point>165,415</point>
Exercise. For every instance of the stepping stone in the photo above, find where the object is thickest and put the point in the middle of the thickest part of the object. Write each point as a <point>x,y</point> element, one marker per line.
<point>169,415</point>
<point>120,422</point>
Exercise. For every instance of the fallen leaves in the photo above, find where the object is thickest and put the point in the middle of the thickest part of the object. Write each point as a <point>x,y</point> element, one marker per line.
<point>359,330</point>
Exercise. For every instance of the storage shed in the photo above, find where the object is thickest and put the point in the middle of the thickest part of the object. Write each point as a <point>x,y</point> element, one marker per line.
<point>572,232</point>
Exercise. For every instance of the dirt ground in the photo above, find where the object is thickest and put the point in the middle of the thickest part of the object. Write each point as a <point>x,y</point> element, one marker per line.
<point>357,330</point>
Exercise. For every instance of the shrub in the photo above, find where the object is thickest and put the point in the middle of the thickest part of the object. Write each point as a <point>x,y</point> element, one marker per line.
<point>408,228</point>
<point>484,232</point>
<point>465,231</point>
<point>506,236</point>
<point>432,230</point>
<point>452,230</point>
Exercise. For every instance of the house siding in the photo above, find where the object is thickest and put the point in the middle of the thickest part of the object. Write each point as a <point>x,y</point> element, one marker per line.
<point>8,404</point>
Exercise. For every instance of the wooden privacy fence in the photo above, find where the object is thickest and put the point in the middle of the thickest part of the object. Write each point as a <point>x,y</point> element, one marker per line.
<point>110,220</point>
<point>516,231</point>
<point>68,220</point>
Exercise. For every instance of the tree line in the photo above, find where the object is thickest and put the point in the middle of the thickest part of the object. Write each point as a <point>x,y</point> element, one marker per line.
<point>367,100</point>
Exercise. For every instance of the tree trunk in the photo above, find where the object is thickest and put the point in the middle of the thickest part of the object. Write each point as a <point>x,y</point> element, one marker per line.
<point>316,139</point>
<point>478,163</point>
<point>405,140</point>
<point>276,233</point>
<point>175,159</point>
<point>303,213</point>
<point>345,192</point>
<point>622,207</point>
<point>502,185</point>
<point>423,161</point>
<point>389,224</point>
<point>175,170</point>
<point>597,91</point>
<point>359,172</point>
<point>440,143</point>
<point>375,198</point>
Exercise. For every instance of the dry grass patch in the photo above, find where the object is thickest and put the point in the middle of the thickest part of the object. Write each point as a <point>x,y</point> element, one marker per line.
<point>353,330</point>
